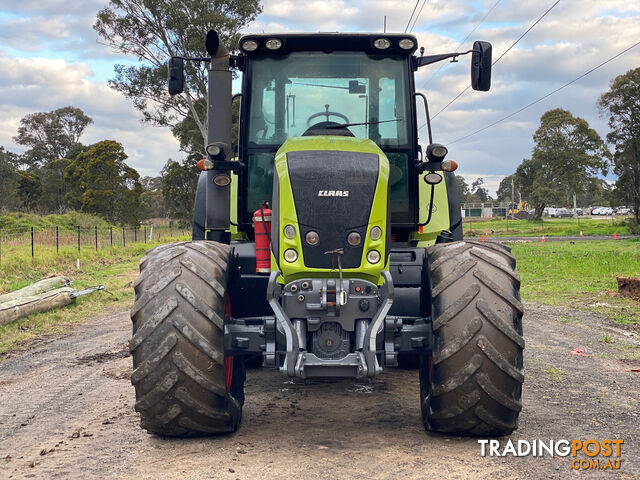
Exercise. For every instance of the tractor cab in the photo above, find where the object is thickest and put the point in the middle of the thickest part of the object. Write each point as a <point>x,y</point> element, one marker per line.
<point>354,85</point>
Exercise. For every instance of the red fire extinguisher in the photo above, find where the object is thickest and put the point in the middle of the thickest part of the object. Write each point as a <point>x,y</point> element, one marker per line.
<point>262,228</point>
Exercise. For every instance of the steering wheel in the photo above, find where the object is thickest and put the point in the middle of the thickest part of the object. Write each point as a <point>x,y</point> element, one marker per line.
<point>327,114</point>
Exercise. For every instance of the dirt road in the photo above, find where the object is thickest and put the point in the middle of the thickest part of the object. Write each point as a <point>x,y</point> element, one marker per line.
<point>66,411</point>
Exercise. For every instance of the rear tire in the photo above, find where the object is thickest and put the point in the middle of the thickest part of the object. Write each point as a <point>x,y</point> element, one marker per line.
<point>184,385</point>
<point>473,386</point>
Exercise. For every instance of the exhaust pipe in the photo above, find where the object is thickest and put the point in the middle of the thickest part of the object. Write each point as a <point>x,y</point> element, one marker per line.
<point>218,197</point>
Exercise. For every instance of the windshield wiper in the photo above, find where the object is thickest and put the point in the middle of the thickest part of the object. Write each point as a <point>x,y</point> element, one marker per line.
<point>345,125</point>
<point>319,85</point>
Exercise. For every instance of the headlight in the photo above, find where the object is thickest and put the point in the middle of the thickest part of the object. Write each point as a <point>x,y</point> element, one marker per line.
<point>373,256</point>
<point>222,180</point>
<point>406,44</point>
<point>290,255</point>
<point>376,233</point>
<point>290,231</point>
<point>354,239</point>
<point>381,43</point>
<point>312,238</point>
<point>214,149</point>
<point>249,45</point>
<point>440,151</point>
<point>433,178</point>
<point>273,43</point>
<point>436,152</point>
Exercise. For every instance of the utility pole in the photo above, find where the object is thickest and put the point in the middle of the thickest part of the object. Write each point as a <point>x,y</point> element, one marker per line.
<point>512,197</point>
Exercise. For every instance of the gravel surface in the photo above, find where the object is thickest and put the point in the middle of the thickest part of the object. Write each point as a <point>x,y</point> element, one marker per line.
<point>66,411</point>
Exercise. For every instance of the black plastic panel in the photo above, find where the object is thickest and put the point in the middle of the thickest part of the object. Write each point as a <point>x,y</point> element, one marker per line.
<point>248,295</point>
<point>406,267</point>
<point>406,302</point>
<point>316,178</point>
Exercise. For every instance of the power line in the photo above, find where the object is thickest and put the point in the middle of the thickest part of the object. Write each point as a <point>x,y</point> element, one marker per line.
<point>417,16</point>
<point>411,17</point>
<point>527,31</point>
<point>464,40</point>
<point>544,96</point>
<point>500,57</point>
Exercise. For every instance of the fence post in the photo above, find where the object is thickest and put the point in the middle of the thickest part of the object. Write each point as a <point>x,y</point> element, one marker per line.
<point>78,237</point>
<point>124,240</point>
<point>57,241</point>
<point>31,242</point>
<point>111,235</point>
<point>145,234</point>
<point>135,234</point>
<point>96,236</point>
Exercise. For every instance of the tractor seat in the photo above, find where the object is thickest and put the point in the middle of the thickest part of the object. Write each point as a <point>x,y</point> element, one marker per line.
<point>321,129</point>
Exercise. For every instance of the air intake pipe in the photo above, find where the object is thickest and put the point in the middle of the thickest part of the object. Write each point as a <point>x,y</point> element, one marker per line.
<point>218,140</point>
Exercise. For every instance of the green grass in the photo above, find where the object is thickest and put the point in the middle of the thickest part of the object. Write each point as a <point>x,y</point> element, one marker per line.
<point>499,227</point>
<point>580,275</point>
<point>19,221</point>
<point>554,372</point>
<point>115,268</point>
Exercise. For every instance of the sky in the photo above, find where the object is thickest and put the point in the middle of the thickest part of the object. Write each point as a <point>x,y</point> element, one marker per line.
<point>51,58</point>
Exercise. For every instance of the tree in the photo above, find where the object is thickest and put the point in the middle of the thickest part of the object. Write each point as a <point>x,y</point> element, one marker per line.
<point>54,187</point>
<point>566,157</point>
<point>598,192</point>
<point>151,199</point>
<point>479,190</point>
<point>179,182</point>
<point>154,31</point>
<point>622,104</point>
<point>151,184</point>
<point>29,189</point>
<point>504,190</point>
<point>50,135</point>
<point>8,180</point>
<point>463,188</point>
<point>100,182</point>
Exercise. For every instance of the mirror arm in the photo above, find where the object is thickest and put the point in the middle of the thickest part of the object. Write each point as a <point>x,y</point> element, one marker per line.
<point>195,59</point>
<point>429,59</point>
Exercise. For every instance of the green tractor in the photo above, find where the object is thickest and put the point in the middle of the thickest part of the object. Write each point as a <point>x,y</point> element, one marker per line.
<point>328,245</point>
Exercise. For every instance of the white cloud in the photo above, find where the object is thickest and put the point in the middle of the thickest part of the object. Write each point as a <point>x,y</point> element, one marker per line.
<point>40,84</point>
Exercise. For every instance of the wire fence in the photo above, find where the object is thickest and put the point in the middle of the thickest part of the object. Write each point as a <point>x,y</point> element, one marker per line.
<point>35,241</point>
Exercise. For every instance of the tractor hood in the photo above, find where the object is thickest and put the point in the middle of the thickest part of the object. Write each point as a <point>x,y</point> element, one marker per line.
<point>332,186</point>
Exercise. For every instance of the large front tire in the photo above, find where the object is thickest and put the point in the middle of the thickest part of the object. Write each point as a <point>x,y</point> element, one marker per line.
<point>184,385</point>
<point>473,386</point>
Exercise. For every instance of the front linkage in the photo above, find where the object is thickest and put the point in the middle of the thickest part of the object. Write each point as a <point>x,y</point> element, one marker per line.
<point>346,322</point>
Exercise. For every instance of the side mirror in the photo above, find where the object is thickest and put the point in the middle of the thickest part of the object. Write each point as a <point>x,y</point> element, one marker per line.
<point>176,75</point>
<point>481,66</point>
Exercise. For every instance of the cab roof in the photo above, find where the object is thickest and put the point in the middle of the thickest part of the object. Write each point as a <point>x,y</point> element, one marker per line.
<point>329,42</point>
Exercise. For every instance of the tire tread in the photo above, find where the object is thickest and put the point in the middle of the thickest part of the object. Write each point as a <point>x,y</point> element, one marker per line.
<point>177,342</point>
<point>475,385</point>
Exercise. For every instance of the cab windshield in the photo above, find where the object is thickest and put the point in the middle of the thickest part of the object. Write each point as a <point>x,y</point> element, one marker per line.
<point>291,93</point>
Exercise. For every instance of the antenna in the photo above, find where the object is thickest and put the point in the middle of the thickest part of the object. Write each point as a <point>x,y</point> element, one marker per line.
<point>384,29</point>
